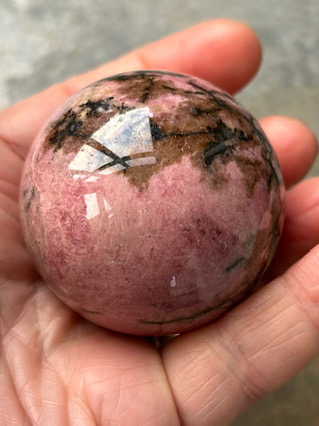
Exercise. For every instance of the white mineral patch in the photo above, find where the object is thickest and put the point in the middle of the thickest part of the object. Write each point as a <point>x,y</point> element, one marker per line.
<point>89,159</point>
<point>127,134</point>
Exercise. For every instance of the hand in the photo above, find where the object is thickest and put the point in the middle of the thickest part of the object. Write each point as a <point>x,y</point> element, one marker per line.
<point>57,368</point>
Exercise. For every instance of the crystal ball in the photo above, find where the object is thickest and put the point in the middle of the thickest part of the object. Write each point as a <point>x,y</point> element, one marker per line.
<point>151,203</point>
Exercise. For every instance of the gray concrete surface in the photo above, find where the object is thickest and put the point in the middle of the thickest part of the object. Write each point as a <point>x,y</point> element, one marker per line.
<point>42,42</point>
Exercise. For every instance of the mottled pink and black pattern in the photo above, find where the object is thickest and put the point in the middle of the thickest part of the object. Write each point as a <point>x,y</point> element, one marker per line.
<point>151,202</point>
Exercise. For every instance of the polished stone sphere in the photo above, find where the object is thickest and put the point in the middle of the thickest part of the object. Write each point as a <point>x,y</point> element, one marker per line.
<point>151,202</point>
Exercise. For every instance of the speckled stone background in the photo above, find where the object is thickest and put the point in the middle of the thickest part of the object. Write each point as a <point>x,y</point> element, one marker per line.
<point>43,42</point>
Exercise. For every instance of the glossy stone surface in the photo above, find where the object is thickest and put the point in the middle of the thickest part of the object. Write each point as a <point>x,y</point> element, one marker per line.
<point>151,203</point>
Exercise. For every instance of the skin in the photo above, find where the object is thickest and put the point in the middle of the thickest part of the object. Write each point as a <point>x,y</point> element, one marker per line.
<point>54,364</point>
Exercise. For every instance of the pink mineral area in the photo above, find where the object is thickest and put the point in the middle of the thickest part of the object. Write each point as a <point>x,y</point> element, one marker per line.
<point>165,252</point>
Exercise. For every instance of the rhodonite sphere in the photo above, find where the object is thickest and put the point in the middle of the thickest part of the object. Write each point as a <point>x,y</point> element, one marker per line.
<point>151,202</point>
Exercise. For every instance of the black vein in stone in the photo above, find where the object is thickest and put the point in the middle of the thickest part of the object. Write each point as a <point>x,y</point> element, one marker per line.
<point>181,91</point>
<point>91,312</point>
<point>158,134</point>
<point>68,125</point>
<point>104,150</point>
<point>234,264</point>
<point>93,107</point>
<point>214,149</point>
<point>28,196</point>
<point>147,91</point>
<point>198,111</point>
<point>179,319</point>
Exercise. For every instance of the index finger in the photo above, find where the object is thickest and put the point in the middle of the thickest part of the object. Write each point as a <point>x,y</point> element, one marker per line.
<point>224,52</point>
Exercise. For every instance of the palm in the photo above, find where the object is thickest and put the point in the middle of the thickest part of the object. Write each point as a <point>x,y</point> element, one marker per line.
<point>55,365</point>
<point>71,364</point>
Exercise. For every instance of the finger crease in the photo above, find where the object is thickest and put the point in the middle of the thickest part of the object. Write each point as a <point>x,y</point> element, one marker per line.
<point>245,372</point>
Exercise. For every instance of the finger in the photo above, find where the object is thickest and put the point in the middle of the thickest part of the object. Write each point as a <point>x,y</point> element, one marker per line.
<point>301,227</point>
<point>295,145</point>
<point>218,371</point>
<point>224,52</point>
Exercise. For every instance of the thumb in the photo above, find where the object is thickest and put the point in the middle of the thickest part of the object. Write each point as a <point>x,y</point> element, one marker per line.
<point>251,351</point>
